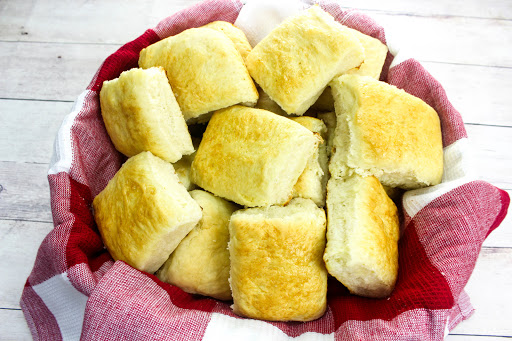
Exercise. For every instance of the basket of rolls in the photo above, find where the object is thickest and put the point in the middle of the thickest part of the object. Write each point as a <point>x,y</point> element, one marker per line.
<point>221,178</point>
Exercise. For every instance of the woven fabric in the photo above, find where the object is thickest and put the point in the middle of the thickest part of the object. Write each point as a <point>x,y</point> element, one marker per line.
<point>76,291</point>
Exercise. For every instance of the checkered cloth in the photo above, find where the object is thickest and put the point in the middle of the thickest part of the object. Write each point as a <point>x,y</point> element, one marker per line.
<point>76,291</point>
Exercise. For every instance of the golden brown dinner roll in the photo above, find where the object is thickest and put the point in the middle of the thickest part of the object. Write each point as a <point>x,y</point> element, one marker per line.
<point>141,114</point>
<point>200,264</point>
<point>252,156</point>
<point>374,56</point>
<point>311,183</point>
<point>386,132</point>
<point>362,236</point>
<point>205,71</point>
<point>144,212</point>
<point>297,59</point>
<point>277,272</point>
<point>236,35</point>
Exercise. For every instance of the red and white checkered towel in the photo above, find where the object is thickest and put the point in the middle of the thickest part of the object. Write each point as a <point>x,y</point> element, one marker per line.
<point>76,291</point>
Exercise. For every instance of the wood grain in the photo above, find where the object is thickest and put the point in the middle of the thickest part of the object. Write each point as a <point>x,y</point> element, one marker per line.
<point>49,71</point>
<point>490,298</point>
<point>32,127</point>
<point>24,192</point>
<point>502,236</point>
<point>96,21</point>
<point>479,93</point>
<point>492,160</point>
<point>15,236</point>
<point>493,9</point>
<point>421,38</point>
<point>14,326</point>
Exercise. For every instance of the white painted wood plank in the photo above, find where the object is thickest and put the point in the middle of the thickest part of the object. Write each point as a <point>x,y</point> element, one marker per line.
<point>97,21</point>
<point>501,9</point>
<point>502,236</point>
<point>24,192</point>
<point>13,326</point>
<point>103,21</point>
<point>49,71</point>
<point>489,291</point>
<point>19,242</point>
<point>29,128</point>
<point>459,40</point>
<point>463,337</point>
<point>479,93</point>
<point>492,160</point>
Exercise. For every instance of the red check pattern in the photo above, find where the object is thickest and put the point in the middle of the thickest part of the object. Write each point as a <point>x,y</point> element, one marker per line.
<point>76,291</point>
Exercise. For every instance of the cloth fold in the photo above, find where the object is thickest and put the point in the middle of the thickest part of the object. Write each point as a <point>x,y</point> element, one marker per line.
<point>76,291</point>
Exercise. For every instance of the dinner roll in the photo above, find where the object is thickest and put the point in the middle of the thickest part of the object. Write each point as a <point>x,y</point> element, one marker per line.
<point>205,71</point>
<point>277,272</point>
<point>200,264</point>
<point>144,212</point>
<point>141,114</point>
<point>386,132</point>
<point>294,63</point>
<point>362,236</point>
<point>375,53</point>
<point>311,183</point>
<point>236,35</point>
<point>252,156</point>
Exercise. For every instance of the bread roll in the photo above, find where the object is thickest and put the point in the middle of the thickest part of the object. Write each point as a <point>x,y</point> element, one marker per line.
<point>311,183</point>
<point>141,114</point>
<point>277,272</point>
<point>205,70</point>
<point>236,35</point>
<point>375,54</point>
<point>297,60</point>
<point>144,212</point>
<point>252,156</point>
<point>386,132</point>
<point>362,236</point>
<point>200,264</point>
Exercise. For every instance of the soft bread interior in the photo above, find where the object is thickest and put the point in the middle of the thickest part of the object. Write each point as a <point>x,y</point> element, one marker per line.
<point>362,236</point>
<point>313,180</point>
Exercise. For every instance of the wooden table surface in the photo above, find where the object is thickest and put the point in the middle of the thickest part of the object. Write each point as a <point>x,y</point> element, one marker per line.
<point>49,51</point>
